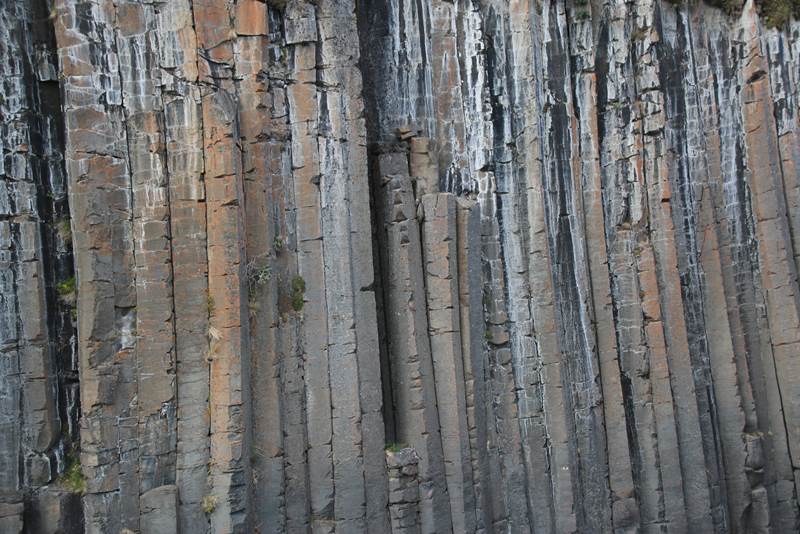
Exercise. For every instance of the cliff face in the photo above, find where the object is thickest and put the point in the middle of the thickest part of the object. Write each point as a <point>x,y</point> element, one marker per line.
<point>470,266</point>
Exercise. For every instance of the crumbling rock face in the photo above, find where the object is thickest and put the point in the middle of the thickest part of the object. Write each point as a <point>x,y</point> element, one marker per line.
<point>470,266</point>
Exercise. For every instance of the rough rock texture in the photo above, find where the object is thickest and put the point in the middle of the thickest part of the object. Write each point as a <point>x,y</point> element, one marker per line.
<point>468,266</point>
<point>39,405</point>
<point>403,490</point>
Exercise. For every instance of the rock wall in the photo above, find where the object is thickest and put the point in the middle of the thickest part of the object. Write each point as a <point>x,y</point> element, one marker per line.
<point>469,266</point>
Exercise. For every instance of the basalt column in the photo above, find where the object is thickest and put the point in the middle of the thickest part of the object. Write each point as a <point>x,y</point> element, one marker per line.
<point>633,166</point>
<point>39,406</point>
<point>429,266</point>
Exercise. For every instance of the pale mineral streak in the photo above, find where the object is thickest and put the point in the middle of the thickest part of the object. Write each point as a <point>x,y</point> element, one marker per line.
<point>388,266</point>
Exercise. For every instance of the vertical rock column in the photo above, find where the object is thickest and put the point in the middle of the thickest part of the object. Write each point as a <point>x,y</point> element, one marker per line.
<point>446,88</point>
<point>644,363</point>
<point>779,48</point>
<point>439,240</point>
<point>229,391</point>
<point>590,218</point>
<point>523,427</point>
<point>352,333</point>
<point>473,345</point>
<point>268,190</point>
<point>183,127</point>
<point>227,295</point>
<point>318,447</point>
<point>769,473</point>
<point>772,228</point>
<point>310,280</point>
<point>504,437</point>
<point>409,351</point>
<point>101,207</point>
<point>38,404</point>
<point>710,337</point>
<point>730,371</point>
<point>402,466</point>
<point>140,75</point>
<point>662,303</point>
<point>561,211</point>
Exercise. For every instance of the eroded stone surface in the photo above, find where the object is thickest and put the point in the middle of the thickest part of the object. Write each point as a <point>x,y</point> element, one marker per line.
<point>438,266</point>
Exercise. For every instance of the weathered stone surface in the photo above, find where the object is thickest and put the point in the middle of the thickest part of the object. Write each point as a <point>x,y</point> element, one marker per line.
<point>439,240</point>
<point>38,394</point>
<point>437,266</point>
<point>159,510</point>
<point>414,395</point>
<point>402,466</point>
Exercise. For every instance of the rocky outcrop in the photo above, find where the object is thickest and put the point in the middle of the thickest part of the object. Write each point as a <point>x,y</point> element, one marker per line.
<point>464,266</point>
<point>39,405</point>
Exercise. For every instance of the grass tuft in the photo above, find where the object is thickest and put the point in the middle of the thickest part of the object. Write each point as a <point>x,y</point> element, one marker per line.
<point>209,504</point>
<point>64,231</point>
<point>67,290</point>
<point>298,293</point>
<point>395,447</point>
<point>72,478</point>
<point>209,304</point>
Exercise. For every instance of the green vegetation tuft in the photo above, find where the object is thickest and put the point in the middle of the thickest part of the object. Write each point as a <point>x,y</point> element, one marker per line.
<point>395,447</point>
<point>298,292</point>
<point>298,284</point>
<point>72,478</point>
<point>67,288</point>
<point>778,13</point>
<point>209,304</point>
<point>64,231</point>
<point>259,277</point>
<point>731,7</point>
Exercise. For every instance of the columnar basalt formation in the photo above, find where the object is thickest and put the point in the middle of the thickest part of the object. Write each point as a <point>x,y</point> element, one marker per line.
<point>443,266</point>
<point>39,405</point>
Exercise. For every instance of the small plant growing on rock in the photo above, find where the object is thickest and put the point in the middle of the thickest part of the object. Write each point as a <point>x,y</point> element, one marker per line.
<point>72,478</point>
<point>209,304</point>
<point>278,243</point>
<point>253,308</point>
<point>395,447</point>
<point>777,13</point>
<point>258,272</point>
<point>67,290</point>
<point>64,231</point>
<point>298,293</point>
<point>258,277</point>
<point>209,504</point>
